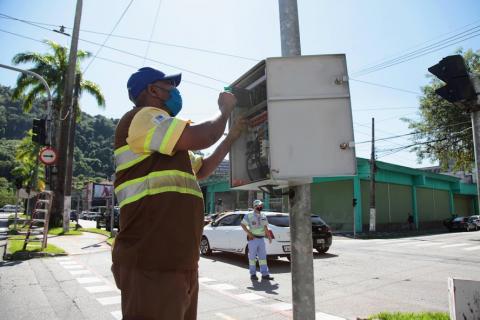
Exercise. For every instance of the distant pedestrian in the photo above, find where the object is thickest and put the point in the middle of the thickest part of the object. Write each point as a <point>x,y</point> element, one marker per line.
<point>410,221</point>
<point>255,224</point>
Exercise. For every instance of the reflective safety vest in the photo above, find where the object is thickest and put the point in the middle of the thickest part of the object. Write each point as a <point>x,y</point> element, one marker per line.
<point>256,223</point>
<point>153,133</point>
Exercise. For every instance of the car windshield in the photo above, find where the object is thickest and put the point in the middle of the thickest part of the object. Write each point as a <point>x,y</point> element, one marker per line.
<point>317,221</point>
<point>279,220</point>
<point>459,219</point>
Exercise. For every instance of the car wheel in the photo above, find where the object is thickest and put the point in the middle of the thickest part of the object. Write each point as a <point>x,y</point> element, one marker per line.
<point>205,247</point>
<point>322,250</point>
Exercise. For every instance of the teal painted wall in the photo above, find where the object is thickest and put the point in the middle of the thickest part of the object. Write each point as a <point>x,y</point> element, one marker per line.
<point>333,202</point>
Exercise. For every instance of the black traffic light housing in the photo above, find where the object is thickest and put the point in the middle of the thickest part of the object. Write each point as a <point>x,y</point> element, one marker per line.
<point>39,130</point>
<point>453,71</point>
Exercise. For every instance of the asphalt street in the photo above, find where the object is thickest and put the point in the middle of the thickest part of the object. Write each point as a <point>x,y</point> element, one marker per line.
<point>356,278</point>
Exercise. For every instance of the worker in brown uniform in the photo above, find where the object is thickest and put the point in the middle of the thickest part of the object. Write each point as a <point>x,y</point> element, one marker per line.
<point>155,256</point>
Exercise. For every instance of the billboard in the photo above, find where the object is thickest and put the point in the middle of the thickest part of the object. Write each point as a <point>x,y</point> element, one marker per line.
<point>102,191</point>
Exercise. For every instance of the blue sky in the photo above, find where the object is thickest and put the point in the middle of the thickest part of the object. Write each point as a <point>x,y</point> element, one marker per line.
<point>367,31</point>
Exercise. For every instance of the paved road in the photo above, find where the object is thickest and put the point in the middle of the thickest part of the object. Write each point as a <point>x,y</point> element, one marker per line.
<point>356,278</point>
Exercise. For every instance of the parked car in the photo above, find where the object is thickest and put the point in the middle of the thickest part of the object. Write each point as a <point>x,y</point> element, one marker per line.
<point>226,234</point>
<point>103,221</point>
<point>10,208</point>
<point>475,220</point>
<point>461,224</point>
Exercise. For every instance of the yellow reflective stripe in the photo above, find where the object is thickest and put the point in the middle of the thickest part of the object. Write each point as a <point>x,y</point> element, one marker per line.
<point>126,158</point>
<point>262,262</point>
<point>252,262</point>
<point>160,190</point>
<point>121,149</point>
<point>160,134</point>
<point>148,139</point>
<point>155,174</point>
<point>167,145</point>
<point>131,163</point>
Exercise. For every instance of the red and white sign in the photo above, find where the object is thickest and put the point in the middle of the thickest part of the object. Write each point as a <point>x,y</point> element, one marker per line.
<point>48,155</point>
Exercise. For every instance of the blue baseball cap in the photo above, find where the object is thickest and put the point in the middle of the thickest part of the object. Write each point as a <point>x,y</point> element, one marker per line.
<point>139,80</point>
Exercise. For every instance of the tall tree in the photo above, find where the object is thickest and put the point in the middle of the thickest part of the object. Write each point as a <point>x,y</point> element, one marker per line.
<point>52,66</point>
<point>443,133</point>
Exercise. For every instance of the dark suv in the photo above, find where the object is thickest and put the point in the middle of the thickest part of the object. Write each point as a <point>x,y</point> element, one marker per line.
<point>321,234</point>
<point>103,221</point>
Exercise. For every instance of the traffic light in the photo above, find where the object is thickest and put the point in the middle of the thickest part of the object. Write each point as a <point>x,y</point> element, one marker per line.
<point>453,71</point>
<point>39,130</point>
<point>354,202</point>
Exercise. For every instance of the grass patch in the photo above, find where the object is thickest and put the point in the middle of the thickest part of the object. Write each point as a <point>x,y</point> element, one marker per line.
<point>15,246</point>
<point>411,316</point>
<point>111,241</point>
<point>95,230</point>
<point>59,232</point>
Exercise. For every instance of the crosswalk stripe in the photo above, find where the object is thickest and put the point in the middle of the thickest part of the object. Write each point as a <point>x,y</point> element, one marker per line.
<point>224,316</point>
<point>222,286</point>
<point>326,316</point>
<point>455,245</point>
<point>98,289</point>
<point>429,244</point>
<point>117,314</point>
<point>472,248</point>
<point>204,279</point>
<point>281,306</point>
<point>88,280</point>
<point>250,296</point>
<point>77,272</point>
<point>77,266</point>
<point>110,300</point>
<point>67,263</point>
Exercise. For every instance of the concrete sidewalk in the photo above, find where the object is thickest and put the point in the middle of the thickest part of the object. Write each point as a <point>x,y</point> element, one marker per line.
<point>86,243</point>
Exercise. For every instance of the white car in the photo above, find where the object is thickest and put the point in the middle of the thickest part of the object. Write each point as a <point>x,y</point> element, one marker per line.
<point>226,234</point>
<point>10,208</point>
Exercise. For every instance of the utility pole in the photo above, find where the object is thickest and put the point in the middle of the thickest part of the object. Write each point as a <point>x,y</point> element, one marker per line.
<point>303,291</point>
<point>475,115</point>
<point>71,145</point>
<point>59,199</point>
<point>372,182</point>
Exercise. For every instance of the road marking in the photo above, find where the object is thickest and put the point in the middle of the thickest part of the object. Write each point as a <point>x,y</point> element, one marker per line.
<point>326,316</point>
<point>73,267</point>
<point>63,258</point>
<point>88,280</point>
<point>203,279</point>
<point>224,316</point>
<point>76,272</point>
<point>109,300</point>
<point>472,248</point>
<point>97,289</point>
<point>250,296</point>
<point>429,244</point>
<point>117,314</point>
<point>222,286</point>
<point>455,245</point>
<point>281,306</point>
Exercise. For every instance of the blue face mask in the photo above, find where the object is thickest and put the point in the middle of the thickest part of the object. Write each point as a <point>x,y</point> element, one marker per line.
<point>174,103</point>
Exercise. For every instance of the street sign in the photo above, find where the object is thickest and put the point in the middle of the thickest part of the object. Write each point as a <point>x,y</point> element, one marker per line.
<point>48,156</point>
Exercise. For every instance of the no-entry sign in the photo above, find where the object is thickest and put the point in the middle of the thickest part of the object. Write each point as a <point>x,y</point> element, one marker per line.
<point>48,155</point>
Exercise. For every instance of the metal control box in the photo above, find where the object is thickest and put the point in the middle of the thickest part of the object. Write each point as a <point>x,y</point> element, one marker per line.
<point>300,123</point>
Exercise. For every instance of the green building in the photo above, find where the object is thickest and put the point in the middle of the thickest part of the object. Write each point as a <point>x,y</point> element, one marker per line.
<point>400,191</point>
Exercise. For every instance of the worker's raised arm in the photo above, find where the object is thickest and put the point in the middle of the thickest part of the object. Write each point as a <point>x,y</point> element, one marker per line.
<point>203,135</point>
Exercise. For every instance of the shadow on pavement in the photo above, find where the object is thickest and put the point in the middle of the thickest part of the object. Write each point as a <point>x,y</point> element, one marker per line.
<point>10,263</point>
<point>264,286</point>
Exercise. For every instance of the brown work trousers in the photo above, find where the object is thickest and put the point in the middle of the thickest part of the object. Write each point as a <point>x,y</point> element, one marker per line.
<point>157,295</point>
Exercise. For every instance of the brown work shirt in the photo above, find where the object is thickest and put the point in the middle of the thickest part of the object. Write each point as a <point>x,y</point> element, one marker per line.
<point>162,230</point>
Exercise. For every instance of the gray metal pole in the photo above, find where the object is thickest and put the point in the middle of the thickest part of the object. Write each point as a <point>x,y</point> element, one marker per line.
<point>65,202</point>
<point>303,290</point>
<point>475,115</point>
<point>373,210</point>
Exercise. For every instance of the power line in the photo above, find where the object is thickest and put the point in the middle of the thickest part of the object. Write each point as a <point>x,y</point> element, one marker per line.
<point>108,36</point>
<point>153,29</point>
<point>37,24</point>
<point>423,51</point>
<point>417,45</point>
<point>382,108</point>
<point>109,60</point>
<point>385,86</point>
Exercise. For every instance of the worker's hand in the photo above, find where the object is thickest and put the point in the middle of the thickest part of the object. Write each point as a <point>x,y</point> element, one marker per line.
<point>238,127</point>
<point>226,103</point>
<point>250,236</point>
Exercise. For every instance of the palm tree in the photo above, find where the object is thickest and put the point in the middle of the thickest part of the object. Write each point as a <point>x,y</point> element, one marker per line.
<point>53,67</point>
